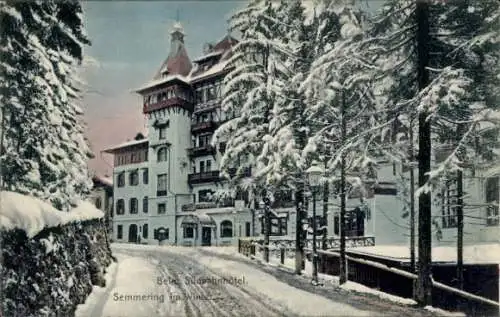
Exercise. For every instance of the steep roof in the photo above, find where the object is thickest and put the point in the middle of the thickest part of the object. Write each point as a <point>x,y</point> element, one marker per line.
<point>226,43</point>
<point>177,62</point>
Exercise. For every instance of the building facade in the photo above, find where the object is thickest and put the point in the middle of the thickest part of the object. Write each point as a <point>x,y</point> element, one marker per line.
<point>163,184</point>
<point>102,197</point>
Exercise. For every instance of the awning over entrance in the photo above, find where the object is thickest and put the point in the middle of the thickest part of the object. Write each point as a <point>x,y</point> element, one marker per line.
<point>203,220</point>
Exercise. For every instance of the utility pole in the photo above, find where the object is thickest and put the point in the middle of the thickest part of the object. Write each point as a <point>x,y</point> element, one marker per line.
<point>424,280</point>
<point>412,201</point>
<point>343,270</point>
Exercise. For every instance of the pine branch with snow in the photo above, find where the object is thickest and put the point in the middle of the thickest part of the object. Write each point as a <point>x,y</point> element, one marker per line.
<point>43,150</point>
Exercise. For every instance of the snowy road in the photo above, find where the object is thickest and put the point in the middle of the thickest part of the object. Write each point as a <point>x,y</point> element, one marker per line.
<point>163,281</point>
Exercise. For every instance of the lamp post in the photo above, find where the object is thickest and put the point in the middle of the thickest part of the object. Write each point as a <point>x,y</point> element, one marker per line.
<point>265,204</point>
<point>314,174</point>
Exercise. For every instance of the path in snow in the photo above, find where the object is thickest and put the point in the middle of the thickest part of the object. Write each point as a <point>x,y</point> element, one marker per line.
<point>265,292</point>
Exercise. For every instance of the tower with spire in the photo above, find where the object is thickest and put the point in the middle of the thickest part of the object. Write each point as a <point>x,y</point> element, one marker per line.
<point>168,106</point>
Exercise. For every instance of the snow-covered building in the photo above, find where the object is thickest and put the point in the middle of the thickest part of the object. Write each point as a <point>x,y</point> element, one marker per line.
<point>177,163</point>
<point>102,197</point>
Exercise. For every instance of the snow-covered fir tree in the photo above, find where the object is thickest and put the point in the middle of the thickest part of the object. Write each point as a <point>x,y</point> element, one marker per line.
<point>251,89</point>
<point>43,149</point>
<point>339,92</point>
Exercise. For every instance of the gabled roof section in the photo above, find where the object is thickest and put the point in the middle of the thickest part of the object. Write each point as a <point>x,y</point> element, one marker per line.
<point>226,43</point>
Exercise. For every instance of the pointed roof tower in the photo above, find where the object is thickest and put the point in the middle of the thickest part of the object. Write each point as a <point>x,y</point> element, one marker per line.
<point>177,62</point>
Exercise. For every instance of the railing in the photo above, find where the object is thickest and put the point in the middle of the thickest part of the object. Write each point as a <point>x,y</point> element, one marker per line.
<point>350,242</point>
<point>203,177</point>
<point>175,101</point>
<point>201,150</point>
<point>203,126</point>
<point>207,205</point>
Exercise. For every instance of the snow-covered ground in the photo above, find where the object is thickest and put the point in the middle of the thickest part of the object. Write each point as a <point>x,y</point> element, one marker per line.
<point>183,281</point>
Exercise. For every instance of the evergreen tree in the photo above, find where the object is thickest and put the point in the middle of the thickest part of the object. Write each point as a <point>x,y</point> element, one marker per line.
<point>43,150</point>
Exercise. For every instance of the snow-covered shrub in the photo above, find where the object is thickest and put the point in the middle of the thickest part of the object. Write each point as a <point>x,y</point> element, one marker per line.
<point>52,272</point>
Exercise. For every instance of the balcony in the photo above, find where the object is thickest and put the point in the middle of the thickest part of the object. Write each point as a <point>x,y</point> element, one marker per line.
<point>207,205</point>
<point>201,151</point>
<point>172,102</point>
<point>205,177</point>
<point>203,126</point>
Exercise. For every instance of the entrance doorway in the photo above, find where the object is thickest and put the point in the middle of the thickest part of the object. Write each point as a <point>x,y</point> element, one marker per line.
<point>132,233</point>
<point>206,236</point>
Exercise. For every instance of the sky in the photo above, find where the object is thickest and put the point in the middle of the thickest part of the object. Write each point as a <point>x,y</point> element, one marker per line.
<point>130,40</point>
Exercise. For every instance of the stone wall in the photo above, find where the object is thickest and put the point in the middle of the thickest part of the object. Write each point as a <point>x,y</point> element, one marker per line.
<point>53,272</point>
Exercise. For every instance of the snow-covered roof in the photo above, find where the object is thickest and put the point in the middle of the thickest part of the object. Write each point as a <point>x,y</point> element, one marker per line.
<point>214,70</point>
<point>103,179</point>
<point>163,80</point>
<point>208,55</point>
<point>478,253</point>
<point>124,145</point>
<point>32,215</point>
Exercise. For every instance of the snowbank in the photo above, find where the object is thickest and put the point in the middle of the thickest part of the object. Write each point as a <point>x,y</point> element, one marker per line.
<point>32,215</point>
<point>86,309</point>
<point>479,253</point>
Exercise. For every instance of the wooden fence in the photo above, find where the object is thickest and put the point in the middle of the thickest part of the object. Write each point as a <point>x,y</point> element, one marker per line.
<point>391,280</point>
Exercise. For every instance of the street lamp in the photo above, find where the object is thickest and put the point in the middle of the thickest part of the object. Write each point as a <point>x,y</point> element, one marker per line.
<point>265,204</point>
<point>314,174</point>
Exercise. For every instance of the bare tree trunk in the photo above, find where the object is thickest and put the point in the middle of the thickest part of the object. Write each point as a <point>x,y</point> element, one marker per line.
<point>460,217</point>
<point>412,201</point>
<point>326,192</point>
<point>343,269</point>
<point>299,246</point>
<point>424,281</point>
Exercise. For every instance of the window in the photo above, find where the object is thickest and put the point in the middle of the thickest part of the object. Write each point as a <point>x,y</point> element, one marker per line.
<point>205,140</point>
<point>202,166</point>
<point>120,207</point>
<point>119,232</point>
<point>133,178</point>
<point>134,205</point>
<point>162,154</point>
<point>247,229</point>
<point>145,231</point>
<point>145,176</point>
<point>161,185</point>
<point>98,203</point>
<point>211,93</point>
<point>226,229</point>
<point>208,165</point>
<point>188,232</point>
<point>145,205</point>
<point>133,157</point>
<point>121,179</point>
<point>162,132</point>
<point>448,204</point>
<point>162,209</point>
<point>492,197</point>
<point>204,195</point>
